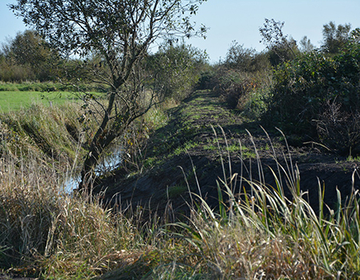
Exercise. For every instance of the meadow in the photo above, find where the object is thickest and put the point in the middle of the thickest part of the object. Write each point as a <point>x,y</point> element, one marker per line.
<point>17,100</point>
<point>17,96</point>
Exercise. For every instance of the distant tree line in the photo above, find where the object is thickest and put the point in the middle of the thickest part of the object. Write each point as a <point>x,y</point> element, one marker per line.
<point>27,57</point>
<point>173,70</point>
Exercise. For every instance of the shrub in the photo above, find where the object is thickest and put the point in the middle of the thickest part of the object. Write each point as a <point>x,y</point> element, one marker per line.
<point>255,104</point>
<point>339,130</point>
<point>239,90</point>
<point>303,87</point>
<point>175,70</point>
<point>207,80</point>
<point>247,60</point>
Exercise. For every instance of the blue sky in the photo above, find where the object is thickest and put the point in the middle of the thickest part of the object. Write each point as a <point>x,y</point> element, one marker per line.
<point>240,20</point>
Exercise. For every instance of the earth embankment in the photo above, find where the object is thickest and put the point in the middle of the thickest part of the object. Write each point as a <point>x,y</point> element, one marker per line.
<point>205,143</point>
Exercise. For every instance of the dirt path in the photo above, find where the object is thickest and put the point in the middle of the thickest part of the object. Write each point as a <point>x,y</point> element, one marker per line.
<point>185,153</point>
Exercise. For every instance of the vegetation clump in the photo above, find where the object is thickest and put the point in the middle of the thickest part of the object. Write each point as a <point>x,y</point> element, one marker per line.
<point>317,96</point>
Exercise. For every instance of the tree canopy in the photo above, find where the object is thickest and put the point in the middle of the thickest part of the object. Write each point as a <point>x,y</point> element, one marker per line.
<point>122,26</point>
<point>335,37</point>
<point>28,57</point>
<point>120,32</point>
<point>281,48</point>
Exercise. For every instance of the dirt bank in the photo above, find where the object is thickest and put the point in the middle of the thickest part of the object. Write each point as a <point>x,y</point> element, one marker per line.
<point>204,142</point>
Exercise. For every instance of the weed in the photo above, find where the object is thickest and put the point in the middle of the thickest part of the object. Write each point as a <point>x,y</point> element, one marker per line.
<point>266,234</point>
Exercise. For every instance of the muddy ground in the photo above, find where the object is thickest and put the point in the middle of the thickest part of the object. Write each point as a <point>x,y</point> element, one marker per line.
<point>203,143</point>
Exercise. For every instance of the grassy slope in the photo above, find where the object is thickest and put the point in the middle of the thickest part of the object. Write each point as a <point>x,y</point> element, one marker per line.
<point>186,148</point>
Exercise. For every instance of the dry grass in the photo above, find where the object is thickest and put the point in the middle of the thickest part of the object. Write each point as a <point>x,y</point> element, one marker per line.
<point>50,234</point>
<point>29,195</point>
<point>266,235</point>
<point>53,131</point>
<point>45,231</point>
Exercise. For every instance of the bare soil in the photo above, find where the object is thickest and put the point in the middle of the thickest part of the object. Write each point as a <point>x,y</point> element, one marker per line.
<point>185,155</point>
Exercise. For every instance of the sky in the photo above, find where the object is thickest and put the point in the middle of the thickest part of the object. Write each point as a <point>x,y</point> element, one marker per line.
<point>240,20</point>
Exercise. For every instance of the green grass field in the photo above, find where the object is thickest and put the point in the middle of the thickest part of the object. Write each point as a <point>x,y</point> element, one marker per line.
<point>16,100</point>
<point>16,96</point>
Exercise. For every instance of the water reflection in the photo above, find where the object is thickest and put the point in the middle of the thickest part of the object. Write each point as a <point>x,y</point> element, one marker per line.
<point>71,183</point>
<point>108,163</point>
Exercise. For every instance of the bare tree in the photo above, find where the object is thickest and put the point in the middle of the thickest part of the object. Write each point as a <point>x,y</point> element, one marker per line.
<point>121,32</point>
<point>276,41</point>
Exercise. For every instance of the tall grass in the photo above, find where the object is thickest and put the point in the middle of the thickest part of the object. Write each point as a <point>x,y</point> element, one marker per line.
<point>47,232</point>
<point>266,235</point>
<point>55,131</point>
<point>258,233</point>
<point>28,196</point>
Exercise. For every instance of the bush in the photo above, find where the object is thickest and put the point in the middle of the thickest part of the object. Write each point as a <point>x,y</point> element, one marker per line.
<point>246,60</point>
<point>240,79</point>
<point>303,87</point>
<point>233,86</point>
<point>339,130</point>
<point>255,104</point>
<point>207,80</point>
<point>239,90</point>
<point>175,70</point>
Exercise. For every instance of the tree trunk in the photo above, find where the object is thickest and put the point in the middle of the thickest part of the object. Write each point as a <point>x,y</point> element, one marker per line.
<point>99,142</point>
<point>92,158</point>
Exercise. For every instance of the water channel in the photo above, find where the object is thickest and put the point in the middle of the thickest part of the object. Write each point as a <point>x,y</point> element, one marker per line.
<point>106,164</point>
